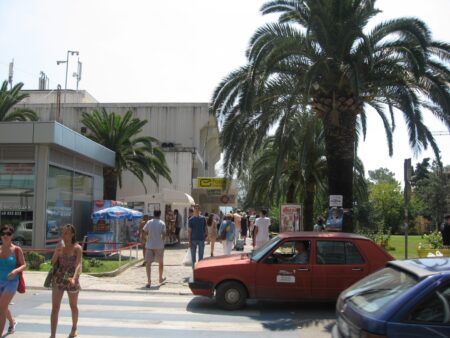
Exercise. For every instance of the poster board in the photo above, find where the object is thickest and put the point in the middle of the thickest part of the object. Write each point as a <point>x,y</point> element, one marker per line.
<point>290,218</point>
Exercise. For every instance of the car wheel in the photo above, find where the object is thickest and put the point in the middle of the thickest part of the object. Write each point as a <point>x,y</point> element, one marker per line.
<point>231,295</point>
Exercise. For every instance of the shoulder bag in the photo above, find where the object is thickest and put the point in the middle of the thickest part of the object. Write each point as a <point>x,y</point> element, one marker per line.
<point>21,285</point>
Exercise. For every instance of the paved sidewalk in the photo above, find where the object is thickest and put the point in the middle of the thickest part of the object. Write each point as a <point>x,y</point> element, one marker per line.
<point>134,278</point>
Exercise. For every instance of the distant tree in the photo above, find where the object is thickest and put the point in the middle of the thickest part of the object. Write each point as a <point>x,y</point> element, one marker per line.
<point>382,175</point>
<point>386,200</point>
<point>8,99</point>
<point>139,155</point>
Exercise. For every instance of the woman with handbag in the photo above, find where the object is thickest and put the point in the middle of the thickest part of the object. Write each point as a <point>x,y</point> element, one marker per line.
<point>227,231</point>
<point>67,255</point>
<point>12,263</point>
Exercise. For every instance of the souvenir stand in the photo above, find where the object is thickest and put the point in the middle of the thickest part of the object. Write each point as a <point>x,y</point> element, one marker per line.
<point>114,227</point>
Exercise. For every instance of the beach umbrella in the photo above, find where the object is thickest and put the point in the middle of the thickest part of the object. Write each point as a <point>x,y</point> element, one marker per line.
<point>116,212</point>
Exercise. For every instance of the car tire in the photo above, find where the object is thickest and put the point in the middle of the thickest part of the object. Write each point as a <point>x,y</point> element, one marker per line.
<point>231,295</point>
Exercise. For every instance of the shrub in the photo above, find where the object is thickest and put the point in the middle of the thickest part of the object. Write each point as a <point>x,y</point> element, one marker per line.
<point>432,241</point>
<point>95,263</point>
<point>34,260</point>
<point>85,266</point>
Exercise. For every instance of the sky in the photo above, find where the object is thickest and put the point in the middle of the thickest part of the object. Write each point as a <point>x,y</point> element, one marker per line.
<point>173,51</point>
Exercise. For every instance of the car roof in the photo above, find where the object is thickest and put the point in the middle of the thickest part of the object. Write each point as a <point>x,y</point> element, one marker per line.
<point>321,234</point>
<point>423,267</point>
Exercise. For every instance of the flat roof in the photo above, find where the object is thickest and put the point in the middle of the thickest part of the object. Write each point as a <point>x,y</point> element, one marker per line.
<point>322,234</point>
<point>54,133</point>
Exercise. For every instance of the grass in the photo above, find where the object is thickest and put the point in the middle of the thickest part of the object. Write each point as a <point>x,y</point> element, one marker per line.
<point>397,246</point>
<point>101,265</point>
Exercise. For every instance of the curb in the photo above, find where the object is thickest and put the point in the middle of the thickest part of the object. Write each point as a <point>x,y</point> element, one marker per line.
<point>154,292</point>
<point>117,271</point>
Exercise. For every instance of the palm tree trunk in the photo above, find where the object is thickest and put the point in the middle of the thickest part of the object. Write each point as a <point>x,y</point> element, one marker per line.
<point>308,203</point>
<point>339,120</point>
<point>109,184</point>
<point>290,194</point>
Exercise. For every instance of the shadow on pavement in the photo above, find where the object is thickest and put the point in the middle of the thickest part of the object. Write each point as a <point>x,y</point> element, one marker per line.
<point>274,315</point>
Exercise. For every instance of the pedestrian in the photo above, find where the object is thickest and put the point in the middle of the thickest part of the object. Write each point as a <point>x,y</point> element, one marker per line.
<point>156,235</point>
<point>262,224</point>
<point>11,263</point>
<point>445,231</point>
<point>244,226</point>
<point>197,235</point>
<point>67,256</point>
<point>143,236</point>
<point>178,224</point>
<point>212,231</point>
<point>227,232</point>
<point>319,226</point>
<point>237,222</point>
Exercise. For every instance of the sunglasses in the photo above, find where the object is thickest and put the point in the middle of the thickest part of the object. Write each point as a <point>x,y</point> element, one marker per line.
<point>6,233</point>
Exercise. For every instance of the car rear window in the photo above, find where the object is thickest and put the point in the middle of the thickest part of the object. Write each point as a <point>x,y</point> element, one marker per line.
<point>373,292</point>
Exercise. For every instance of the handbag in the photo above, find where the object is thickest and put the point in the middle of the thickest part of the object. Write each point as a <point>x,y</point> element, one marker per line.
<point>21,286</point>
<point>48,279</point>
<point>187,260</point>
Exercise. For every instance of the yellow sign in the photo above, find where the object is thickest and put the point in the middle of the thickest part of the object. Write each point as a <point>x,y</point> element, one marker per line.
<point>211,182</point>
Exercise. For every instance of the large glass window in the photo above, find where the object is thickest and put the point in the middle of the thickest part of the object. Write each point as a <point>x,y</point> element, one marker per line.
<point>69,200</point>
<point>17,196</point>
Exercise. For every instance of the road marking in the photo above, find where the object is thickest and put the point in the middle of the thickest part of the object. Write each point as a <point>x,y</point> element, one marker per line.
<point>190,325</point>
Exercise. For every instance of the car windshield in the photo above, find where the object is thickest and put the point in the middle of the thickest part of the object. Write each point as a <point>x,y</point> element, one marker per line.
<point>261,252</point>
<point>378,289</point>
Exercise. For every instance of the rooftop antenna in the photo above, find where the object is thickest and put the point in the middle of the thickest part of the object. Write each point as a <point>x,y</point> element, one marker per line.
<point>11,73</point>
<point>77,75</point>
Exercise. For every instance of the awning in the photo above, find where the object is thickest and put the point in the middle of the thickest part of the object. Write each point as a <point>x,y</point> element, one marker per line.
<point>177,197</point>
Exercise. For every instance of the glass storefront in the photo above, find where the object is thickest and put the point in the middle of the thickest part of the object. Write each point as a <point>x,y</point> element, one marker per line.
<point>17,199</point>
<point>69,200</point>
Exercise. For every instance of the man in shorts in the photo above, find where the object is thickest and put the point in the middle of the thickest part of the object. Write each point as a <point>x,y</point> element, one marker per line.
<point>156,233</point>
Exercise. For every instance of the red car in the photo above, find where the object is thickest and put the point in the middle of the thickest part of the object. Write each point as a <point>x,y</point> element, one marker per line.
<point>291,266</point>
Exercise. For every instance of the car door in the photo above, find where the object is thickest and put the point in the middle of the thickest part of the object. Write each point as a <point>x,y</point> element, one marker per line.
<point>279,276</point>
<point>338,264</point>
<point>430,317</point>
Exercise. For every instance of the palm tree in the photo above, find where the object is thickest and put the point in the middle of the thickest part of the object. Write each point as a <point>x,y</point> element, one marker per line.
<point>139,155</point>
<point>8,99</point>
<point>339,69</point>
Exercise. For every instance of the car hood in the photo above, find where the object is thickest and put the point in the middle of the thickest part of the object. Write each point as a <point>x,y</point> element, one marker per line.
<point>228,260</point>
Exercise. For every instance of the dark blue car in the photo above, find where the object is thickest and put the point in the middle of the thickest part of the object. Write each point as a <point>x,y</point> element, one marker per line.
<point>409,298</point>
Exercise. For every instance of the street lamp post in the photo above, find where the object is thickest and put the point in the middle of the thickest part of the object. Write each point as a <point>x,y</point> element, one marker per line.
<point>71,52</point>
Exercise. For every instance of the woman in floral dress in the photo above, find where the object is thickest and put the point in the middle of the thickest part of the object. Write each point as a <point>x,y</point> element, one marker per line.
<point>67,256</point>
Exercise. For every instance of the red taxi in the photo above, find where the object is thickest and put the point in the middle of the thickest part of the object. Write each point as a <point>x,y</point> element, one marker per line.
<point>329,263</point>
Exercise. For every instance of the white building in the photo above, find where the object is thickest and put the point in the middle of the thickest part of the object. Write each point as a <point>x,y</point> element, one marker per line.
<point>188,134</point>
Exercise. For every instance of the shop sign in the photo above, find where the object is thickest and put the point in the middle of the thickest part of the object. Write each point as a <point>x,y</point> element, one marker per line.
<point>211,182</point>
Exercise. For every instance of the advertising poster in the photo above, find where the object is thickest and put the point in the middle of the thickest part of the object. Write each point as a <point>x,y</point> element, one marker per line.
<point>334,219</point>
<point>290,219</point>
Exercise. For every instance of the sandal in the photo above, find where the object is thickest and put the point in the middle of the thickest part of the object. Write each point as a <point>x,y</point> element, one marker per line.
<point>163,281</point>
<point>73,333</point>
<point>12,328</point>
<point>148,286</point>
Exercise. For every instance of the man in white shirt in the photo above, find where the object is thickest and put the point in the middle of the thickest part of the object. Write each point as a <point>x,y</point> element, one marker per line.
<point>156,232</point>
<point>262,225</point>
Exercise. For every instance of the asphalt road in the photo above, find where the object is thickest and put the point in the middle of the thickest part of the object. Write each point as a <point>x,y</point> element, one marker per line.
<point>119,314</point>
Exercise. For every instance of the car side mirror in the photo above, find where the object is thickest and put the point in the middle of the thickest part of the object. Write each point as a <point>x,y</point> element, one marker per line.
<point>271,260</point>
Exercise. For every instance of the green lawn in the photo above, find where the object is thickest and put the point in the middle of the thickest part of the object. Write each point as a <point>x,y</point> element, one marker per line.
<point>397,246</point>
<point>102,265</point>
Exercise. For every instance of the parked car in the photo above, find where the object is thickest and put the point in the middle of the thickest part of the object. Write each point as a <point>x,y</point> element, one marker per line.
<point>334,262</point>
<point>23,233</point>
<point>408,298</point>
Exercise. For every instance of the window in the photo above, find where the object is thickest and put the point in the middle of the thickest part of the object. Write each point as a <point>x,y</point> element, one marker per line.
<point>338,252</point>
<point>292,252</point>
<point>436,309</point>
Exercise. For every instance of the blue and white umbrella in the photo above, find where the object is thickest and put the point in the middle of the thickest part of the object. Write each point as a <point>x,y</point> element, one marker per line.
<point>116,213</point>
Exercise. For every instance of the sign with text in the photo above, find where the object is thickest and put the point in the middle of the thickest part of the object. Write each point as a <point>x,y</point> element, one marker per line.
<point>211,182</point>
<point>290,217</point>
<point>336,200</point>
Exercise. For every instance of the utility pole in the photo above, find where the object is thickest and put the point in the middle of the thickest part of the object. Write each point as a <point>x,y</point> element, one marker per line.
<point>408,170</point>
<point>71,52</point>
